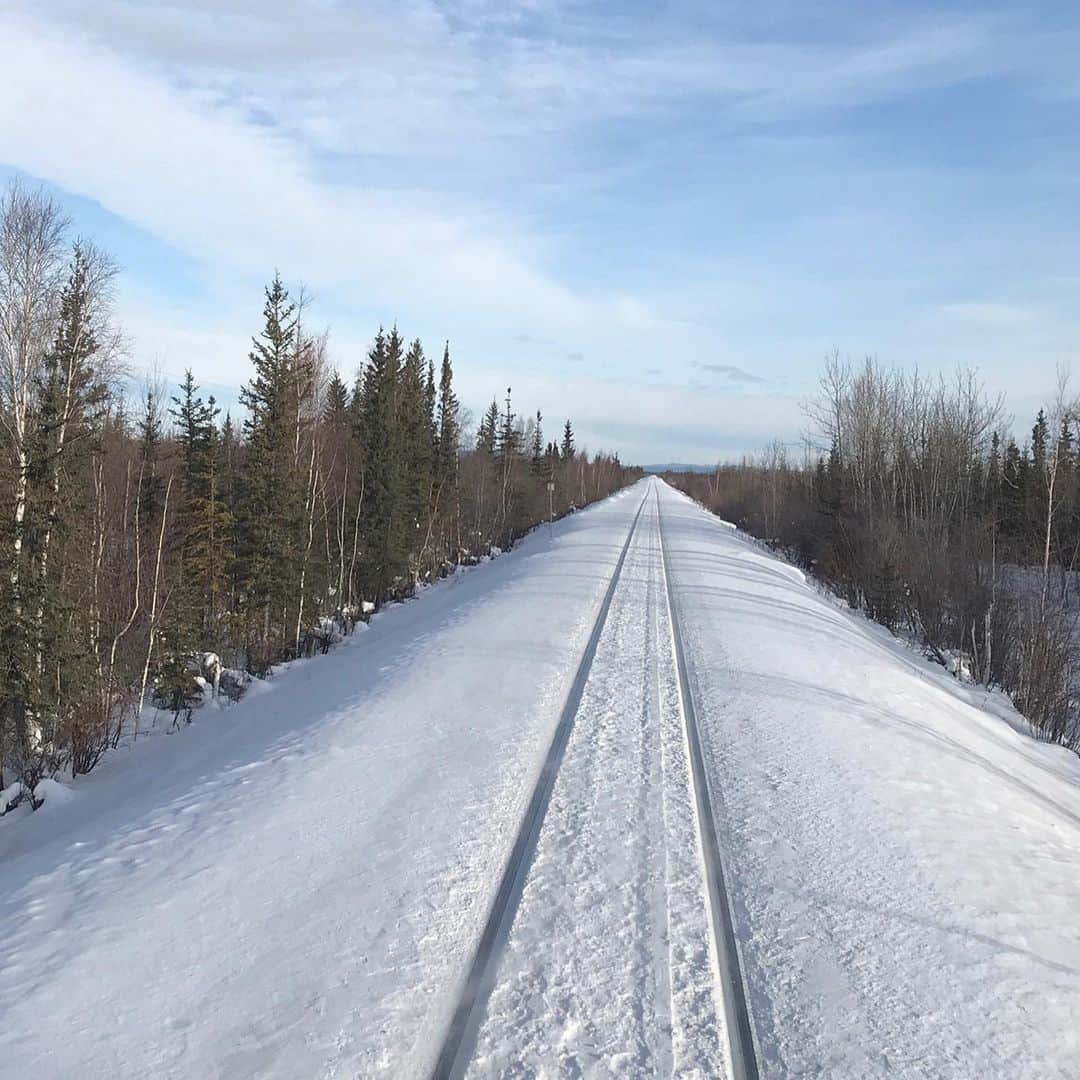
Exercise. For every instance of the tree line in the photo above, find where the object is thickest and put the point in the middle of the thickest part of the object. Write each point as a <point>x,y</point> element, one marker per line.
<point>157,550</point>
<point>924,511</point>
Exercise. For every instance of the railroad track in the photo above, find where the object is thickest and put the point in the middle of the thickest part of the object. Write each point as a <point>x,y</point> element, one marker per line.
<point>461,1035</point>
<point>739,1028</point>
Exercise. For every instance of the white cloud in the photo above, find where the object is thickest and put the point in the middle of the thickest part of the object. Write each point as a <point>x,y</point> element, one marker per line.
<point>992,316</point>
<point>313,136</point>
<point>426,79</point>
<point>241,199</point>
<point>238,196</point>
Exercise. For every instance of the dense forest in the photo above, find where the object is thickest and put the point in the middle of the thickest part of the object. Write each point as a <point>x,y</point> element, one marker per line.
<point>922,510</point>
<point>156,550</point>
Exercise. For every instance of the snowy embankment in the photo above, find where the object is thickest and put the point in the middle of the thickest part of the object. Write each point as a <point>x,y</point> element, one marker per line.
<point>291,887</point>
<point>906,864</point>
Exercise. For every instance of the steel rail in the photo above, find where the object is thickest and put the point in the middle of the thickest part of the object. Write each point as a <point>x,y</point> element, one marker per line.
<point>460,1038</point>
<point>740,1031</point>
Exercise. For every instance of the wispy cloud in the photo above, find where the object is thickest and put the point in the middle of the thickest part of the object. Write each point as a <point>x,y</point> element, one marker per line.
<point>731,372</point>
<point>419,78</point>
<point>990,315</point>
<point>549,181</point>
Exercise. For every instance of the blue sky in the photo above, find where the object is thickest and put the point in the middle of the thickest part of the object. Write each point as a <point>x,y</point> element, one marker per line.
<point>656,218</point>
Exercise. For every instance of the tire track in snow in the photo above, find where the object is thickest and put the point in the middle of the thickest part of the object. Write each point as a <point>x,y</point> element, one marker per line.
<point>739,1027</point>
<point>461,1034</point>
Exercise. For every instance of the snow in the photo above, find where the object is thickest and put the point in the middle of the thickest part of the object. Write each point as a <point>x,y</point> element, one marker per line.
<point>609,970</point>
<point>51,794</point>
<point>906,865</point>
<point>294,887</point>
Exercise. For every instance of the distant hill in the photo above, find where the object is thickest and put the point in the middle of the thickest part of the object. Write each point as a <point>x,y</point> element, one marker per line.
<point>673,466</point>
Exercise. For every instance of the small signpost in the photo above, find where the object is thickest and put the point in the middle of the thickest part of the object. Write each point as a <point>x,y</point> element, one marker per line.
<point>551,506</point>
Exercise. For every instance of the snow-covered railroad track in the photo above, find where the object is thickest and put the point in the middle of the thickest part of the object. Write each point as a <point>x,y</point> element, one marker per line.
<point>738,1026</point>
<point>610,948</point>
<point>461,1034</point>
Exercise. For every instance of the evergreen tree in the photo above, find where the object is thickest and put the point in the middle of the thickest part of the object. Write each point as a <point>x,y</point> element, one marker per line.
<point>1037,489</point>
<point>56,641</point>
<point>417,439</point>
<point>203,538</point>
<point>336,406</point>
<point>430,402</point>
<point>487,434</point>
<point>152,487</point>
<point>1014,483</point>
<point>507,451</point>
<point>508,440</point>
<point>209,535</point>
<point>270,507</point>
<point>385,541</point>
<point>1038,443</point>
<point>194,420</point>
<point>993,477</point>
<point>566,451</point>
<point>229,467</point>
<point>537,457</point>
<point>448,427</point>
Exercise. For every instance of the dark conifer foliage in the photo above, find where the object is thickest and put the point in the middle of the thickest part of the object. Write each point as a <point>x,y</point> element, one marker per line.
<point>536,454</point>
<point>448,427</point>
<point>487,435</point>
<point>336,408</point>
<point>566,451</point>
<point>383,443</point>
<point>150,433</point>
<point>163,553</point>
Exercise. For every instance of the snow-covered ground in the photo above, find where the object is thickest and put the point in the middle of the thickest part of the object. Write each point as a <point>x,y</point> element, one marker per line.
<point>295,887</point>
<point>906,864</point>
<point>609,970</point>
<point>291,888</point>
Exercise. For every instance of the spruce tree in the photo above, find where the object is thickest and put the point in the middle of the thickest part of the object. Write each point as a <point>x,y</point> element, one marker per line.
<point>993,480</point>
<point>385,544</point>
<point>194,420</point>
<point>417,440</point>
<point>508,442</point>
<point>1039,438</point>
<point>209,535</point>
<point>268,520</point>
<point>507,452</point>
<point>487,435</point>
<point>1014,473</point>
<point>566,451</point>
<point>1037,489</point>
<point>537,457</point>
<point>430,404</point>
<point>151,485</point>
<point>203,539</point>
<point>336,406</point>
<point>448,427</point>
<point>57,636</point>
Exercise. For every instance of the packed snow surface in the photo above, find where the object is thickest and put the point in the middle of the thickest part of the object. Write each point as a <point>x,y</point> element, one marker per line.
<point>295,886</point>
